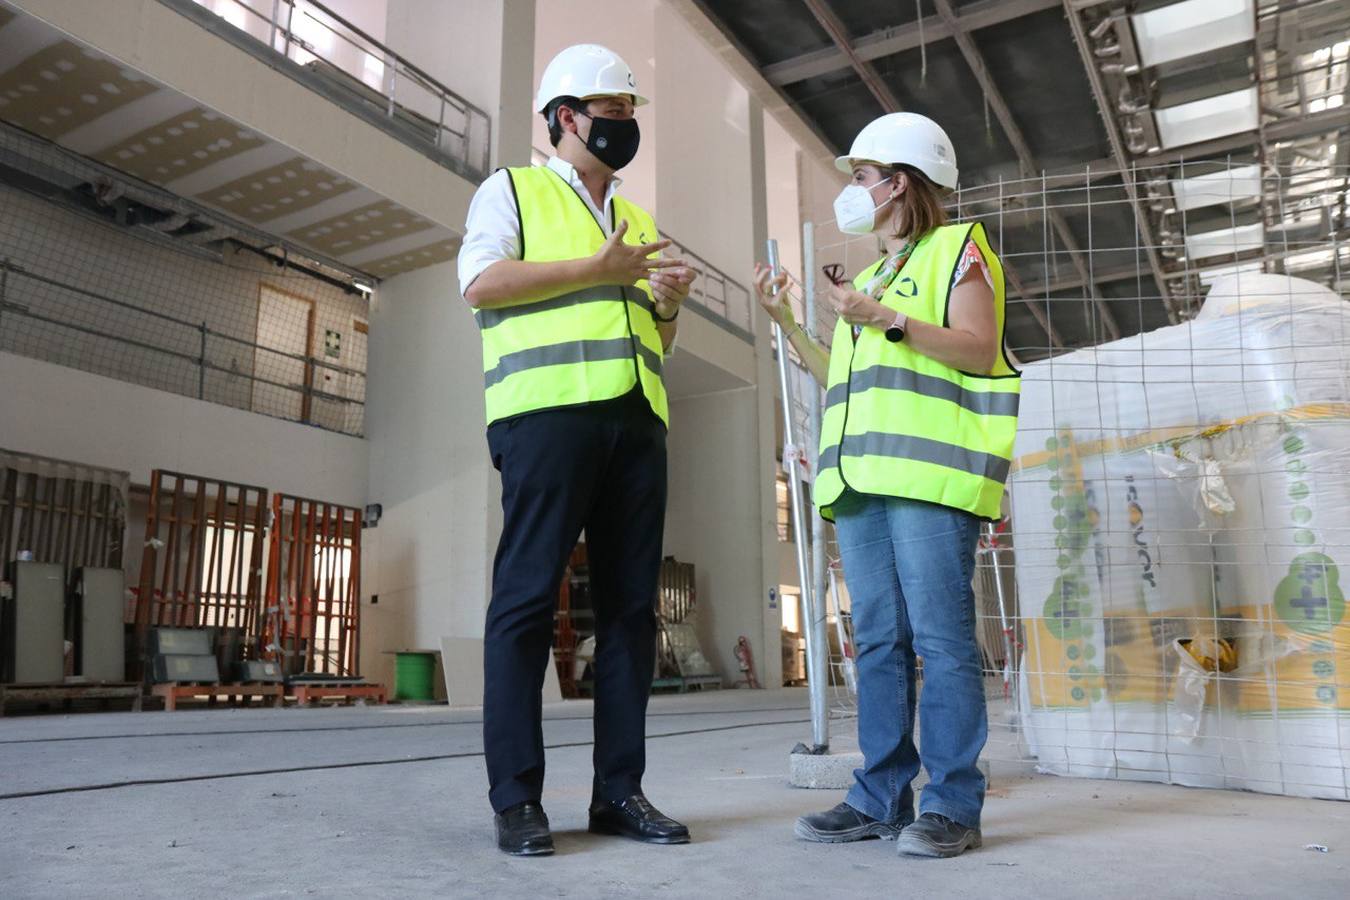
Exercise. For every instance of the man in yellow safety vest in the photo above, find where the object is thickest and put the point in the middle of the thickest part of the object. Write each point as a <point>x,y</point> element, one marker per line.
<point>577,312</point>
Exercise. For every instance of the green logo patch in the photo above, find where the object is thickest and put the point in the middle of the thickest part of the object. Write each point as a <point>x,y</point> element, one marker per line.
<point>1309,599</point>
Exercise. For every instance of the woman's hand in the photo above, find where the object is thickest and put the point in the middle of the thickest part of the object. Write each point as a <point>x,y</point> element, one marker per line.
<point>772,294</point>
<point>856,308</point>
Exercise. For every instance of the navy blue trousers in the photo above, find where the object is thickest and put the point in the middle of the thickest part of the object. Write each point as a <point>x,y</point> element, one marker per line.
<point>601,468</point>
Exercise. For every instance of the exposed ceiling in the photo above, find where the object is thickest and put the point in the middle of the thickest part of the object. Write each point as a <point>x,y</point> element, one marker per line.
<point>93,106</point>
<point>1074,122</point>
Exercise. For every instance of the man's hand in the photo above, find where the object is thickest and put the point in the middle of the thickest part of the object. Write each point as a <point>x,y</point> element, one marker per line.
<point>619,263</point>
<point>670,288</point>
<point>856,308</point>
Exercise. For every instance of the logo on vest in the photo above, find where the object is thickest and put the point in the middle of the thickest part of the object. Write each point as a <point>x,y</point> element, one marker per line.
<point>906,287</point>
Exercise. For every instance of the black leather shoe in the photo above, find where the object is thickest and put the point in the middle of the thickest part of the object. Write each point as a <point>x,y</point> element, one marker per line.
<point>841,825</point>
<point>522,830</point>
<point>635,817</point>
<point>937,836</point>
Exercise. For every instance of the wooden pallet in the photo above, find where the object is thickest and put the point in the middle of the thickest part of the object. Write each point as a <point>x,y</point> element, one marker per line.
<point>305,694</point>
<point>268,694</point>
<point>65,694</point>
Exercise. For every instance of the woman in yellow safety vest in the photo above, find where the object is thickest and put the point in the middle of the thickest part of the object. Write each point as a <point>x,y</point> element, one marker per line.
<point>916,437</point>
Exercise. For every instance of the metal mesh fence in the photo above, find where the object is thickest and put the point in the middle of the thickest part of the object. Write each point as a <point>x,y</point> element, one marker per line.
<point>87,281</point>
<point>1173,609</point>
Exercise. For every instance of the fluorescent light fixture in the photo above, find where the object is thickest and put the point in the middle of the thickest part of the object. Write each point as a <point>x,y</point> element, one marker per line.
<point>1225,241</point>
<point>1206,119</point>
<point>1192,27</point>
<point>1227,186</point>
<point>1209,276</point>
<point>363,287</point>
<point>1313,259</point>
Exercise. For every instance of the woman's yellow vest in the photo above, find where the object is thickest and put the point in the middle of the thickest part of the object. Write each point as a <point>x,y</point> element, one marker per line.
<point>594,344</point>
<point>899,424</point>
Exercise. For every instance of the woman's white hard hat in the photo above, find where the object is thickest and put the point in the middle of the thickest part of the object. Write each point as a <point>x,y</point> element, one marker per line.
<point>905,139</point>
<point>585,71</point>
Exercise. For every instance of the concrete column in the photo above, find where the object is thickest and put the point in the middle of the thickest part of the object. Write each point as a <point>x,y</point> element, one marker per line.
<point>430,559</point>
<point>768,655</point>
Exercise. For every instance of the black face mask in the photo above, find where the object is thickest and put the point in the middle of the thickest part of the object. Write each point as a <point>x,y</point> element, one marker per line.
<point>613,141</point>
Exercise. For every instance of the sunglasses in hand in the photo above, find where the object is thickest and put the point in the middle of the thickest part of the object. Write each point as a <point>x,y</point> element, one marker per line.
<point>834,272</point>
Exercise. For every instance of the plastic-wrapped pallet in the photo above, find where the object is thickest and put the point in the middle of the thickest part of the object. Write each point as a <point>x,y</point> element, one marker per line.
<point>1189,484</point>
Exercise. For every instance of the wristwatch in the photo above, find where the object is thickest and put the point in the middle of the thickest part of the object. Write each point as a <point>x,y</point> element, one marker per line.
<point>895,333</point>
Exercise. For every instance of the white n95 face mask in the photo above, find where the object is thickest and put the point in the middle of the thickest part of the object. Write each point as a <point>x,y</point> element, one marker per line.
<point>854,211</point>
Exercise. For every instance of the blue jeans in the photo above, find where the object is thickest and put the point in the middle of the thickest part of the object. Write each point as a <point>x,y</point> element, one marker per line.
<point>909,566</point>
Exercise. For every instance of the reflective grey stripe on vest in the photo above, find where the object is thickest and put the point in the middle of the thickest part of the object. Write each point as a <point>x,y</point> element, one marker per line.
<point>557,355</point>
<point>903,446</point>
<point>572,352</point>
<point>488,318</point>
<point>898,378</point>
<point>649,358</point>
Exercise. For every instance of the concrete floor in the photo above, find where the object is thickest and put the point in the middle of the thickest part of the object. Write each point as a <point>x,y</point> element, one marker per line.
<point>390,802</point>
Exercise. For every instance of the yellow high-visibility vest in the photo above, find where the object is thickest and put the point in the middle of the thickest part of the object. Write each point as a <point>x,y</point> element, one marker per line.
<point>900,424</point>
<point>581,347</point>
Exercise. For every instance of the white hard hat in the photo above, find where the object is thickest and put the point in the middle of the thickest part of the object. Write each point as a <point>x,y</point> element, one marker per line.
<point>905,138</point>
<point>585,71</point>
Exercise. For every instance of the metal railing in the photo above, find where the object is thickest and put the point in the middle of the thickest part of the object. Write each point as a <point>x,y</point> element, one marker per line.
<point>188,360</point>
<point>341,61</point>
<point>715,292</point>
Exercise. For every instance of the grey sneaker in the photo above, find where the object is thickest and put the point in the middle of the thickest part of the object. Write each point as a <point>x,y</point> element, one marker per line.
<point>841,825</point>
<point>937,836</point>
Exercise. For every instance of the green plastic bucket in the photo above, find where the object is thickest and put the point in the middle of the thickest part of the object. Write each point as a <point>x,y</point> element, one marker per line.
<point>413,676</point>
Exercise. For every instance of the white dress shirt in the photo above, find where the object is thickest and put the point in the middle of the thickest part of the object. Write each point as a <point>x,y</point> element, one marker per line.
<point>493,226</point>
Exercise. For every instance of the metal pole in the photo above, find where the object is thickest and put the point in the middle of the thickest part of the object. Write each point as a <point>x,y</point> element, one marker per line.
<point>847,664</point>
<point>201,367</point>
<point>820,723</point>
<point>4,284</point>
<point>819,622</point>
<point>1009,660</point>
<point>276,16</point>
<point>290,20</point>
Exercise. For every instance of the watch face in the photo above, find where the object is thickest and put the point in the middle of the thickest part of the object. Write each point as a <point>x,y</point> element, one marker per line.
<point>895,334</point>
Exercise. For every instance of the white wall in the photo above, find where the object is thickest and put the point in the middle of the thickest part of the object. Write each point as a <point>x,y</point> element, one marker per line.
<point>713,520</point>
<point>782,164</point>
<point>68,414</point>
<point>702,150</point>
<point>481,50</point>
<point>429,560</point>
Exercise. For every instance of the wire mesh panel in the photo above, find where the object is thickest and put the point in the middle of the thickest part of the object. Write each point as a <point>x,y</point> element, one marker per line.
<point>202,564</point>
<point>90,280</point>
<point>313,620</point>
<point>1174,610</point>
<point>843,657</point>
